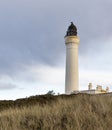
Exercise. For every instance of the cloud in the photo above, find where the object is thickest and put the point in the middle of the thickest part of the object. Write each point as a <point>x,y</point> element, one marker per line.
<point>27,36</point>
<point>7,86</point>
<point>39,73</point>
<point>48,74</point>
<point>38,78</point>
<point>97,56</point>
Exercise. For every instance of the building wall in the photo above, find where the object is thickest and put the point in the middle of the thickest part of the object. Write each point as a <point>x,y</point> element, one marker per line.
<point>72,77</point>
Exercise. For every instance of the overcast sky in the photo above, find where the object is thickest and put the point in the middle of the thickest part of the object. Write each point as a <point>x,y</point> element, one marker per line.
<point>32,49</point>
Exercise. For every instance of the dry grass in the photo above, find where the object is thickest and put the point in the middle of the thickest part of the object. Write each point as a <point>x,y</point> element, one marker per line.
<point>78,112</point>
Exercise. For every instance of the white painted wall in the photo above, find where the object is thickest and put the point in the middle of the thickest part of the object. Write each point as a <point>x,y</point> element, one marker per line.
<point>72,74</point>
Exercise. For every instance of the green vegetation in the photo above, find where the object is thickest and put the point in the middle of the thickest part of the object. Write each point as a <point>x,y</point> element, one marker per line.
<point>51,92</point>
<point>48,112</point>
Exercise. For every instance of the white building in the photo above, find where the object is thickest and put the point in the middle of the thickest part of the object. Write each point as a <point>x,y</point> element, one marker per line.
<point>98,90</point>
<point>72,75</point>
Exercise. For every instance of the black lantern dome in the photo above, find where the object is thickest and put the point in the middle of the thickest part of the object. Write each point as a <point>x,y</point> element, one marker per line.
<point>72,30</point>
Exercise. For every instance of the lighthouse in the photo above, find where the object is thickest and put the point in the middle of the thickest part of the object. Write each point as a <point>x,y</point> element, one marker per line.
<point>72,74</point>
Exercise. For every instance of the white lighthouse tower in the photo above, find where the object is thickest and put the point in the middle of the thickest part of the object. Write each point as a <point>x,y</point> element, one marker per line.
<point>71,42</point>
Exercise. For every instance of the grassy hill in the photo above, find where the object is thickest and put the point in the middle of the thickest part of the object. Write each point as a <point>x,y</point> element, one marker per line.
<point>47,112</point>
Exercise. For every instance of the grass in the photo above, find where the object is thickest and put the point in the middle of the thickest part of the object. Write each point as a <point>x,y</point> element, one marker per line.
<point>73,112</point>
